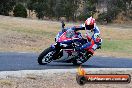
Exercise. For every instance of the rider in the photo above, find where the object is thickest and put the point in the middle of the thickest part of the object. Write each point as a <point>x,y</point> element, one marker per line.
<point>92,35</point>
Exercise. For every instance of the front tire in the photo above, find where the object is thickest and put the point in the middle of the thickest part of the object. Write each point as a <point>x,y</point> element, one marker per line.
<point>46,56</point>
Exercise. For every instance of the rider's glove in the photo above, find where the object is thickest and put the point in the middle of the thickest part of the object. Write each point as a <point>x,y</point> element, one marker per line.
<point>99,42</point>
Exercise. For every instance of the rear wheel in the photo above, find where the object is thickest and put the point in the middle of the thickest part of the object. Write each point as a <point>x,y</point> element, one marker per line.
<point>80,59</point>
<point>46,56</point>
<point>76,63</point>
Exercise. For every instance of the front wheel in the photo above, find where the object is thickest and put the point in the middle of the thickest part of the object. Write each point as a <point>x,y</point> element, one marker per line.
<point>46,56</point>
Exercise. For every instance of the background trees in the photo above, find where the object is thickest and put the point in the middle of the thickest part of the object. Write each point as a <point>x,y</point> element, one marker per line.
<point>40,8</point>
<point>69,8</point>
<point>6,6</point>
<point>20,11</point>
<point>115,7</point>
<point>89,9</point>
<point>59,9</point>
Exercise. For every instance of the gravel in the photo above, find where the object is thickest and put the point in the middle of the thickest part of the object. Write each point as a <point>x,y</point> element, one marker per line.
<point>57,78</point>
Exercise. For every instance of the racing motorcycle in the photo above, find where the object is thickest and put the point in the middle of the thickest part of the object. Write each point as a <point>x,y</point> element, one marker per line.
<point>64,50</point>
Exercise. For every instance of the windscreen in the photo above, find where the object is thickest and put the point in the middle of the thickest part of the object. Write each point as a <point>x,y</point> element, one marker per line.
<point>70,33</point>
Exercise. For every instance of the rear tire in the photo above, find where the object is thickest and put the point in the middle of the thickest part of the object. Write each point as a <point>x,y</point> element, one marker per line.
<point>84,59</point>
<point>76,63</point>
<point>43,55</point>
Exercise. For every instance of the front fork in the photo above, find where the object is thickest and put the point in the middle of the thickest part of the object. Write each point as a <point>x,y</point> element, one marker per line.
<point>58,50</point>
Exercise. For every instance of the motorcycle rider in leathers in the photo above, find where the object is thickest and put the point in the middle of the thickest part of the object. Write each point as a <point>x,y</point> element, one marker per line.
<point>92,35</point>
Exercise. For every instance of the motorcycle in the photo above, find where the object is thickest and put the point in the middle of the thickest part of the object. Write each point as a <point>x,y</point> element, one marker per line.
<point>64,50</point>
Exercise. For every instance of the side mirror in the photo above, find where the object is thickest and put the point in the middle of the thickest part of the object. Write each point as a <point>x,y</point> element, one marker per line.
<point>63,24</point>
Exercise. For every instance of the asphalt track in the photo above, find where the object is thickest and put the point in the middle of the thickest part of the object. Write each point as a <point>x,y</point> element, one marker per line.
<point>13,61</point>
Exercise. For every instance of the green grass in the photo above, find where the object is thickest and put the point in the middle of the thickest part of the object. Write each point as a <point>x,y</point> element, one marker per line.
<point>36,32</point>
<point>28,30</point>
<point>110,45</point>
<point>117,45</point>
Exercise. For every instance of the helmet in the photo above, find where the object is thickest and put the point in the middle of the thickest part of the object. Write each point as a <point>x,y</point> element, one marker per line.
<point>89,23</point>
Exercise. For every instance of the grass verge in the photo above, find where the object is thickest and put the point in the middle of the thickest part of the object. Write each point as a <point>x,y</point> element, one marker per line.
<point>31,35</point>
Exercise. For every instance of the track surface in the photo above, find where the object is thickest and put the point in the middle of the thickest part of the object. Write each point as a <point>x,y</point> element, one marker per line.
<point>28,61</point>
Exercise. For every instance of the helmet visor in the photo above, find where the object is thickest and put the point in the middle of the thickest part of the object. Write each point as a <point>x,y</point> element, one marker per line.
<point>89,27</point>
